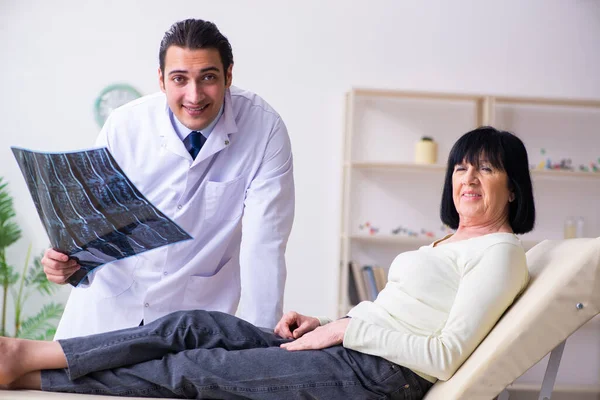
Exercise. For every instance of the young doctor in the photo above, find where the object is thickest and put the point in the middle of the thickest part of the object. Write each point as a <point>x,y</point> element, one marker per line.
<point>215,159</point>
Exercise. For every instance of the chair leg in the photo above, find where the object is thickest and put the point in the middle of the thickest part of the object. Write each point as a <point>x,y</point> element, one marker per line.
<point>549,375</point>
<point>551,372</point>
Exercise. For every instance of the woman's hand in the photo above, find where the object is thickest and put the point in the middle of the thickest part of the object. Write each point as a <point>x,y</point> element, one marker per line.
<point>293,325</point>
<point>322,337</point>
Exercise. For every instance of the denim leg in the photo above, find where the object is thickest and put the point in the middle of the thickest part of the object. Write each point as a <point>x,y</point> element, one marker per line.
<point>199,354</point>
<point>414,389</point>
<point>262,373</point>
<point>176,332</point>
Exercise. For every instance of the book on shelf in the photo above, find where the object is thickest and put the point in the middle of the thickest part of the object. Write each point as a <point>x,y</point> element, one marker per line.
<point>380,278</point>
<point>365,282</point>
<point>369,276</point>
<point>359,283</point>
<point>353,294</point>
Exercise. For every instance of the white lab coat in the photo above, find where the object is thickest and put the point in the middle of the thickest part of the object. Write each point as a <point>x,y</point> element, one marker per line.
<point>236,200</point>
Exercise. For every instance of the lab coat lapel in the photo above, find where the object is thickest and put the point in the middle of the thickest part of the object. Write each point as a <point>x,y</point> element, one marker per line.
<point>220,137</point>
<point>169,139</point>
<point>172,143</point>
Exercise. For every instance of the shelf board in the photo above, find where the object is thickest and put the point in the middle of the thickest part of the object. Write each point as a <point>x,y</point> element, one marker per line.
<point>560,174</point>
<point>415,95</point>
<point>413,241</point>
<point>535,101</point>
<point>395,166</point>
<point>393,239</point>
<point>547,102</point>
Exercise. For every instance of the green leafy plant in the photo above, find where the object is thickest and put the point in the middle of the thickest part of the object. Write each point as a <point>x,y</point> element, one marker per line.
<point>22,284</point>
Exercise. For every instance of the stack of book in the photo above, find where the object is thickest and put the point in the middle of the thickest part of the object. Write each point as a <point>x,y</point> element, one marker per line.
<point>365,282</point>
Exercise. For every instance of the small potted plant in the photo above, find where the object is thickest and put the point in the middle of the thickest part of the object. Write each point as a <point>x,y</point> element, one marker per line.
<point>22,284</point>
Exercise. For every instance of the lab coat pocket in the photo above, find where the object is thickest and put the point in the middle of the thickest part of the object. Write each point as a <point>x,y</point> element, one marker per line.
<point>219,292</point>
<point>115,278</point>
<point>224,201</point>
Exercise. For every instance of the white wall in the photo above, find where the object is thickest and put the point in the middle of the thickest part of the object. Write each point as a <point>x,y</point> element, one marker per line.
<point>301,57</point>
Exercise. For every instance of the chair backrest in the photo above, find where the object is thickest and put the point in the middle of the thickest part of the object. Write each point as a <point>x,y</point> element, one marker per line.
<point>563,294</point>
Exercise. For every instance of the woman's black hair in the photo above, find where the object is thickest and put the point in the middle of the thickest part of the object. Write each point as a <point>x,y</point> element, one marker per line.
<point>503,151</point>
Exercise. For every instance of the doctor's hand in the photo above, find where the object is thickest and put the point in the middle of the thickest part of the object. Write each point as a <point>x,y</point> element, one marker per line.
<point>322,337</point>
<point>58,267</point>
<point>293,325</point>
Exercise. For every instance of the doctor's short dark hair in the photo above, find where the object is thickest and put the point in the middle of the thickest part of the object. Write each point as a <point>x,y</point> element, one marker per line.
<point>504,151</point>
<point>196,34</point>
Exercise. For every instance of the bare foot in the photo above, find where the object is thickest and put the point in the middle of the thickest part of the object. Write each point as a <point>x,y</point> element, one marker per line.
<point>10,366</point>
<point>30,380</point>
<point>8,386</point>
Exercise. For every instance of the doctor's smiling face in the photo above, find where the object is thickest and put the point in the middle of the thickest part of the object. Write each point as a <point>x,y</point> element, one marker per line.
<point>194,81</point>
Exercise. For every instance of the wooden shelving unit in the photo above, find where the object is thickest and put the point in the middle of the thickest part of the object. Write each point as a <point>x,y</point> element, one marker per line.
<point>381,183</point>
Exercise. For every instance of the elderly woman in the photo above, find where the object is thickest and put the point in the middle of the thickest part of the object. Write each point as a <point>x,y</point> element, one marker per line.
<point>440,302</point>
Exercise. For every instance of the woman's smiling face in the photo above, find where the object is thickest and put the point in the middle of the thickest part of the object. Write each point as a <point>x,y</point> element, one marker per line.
<point>481,193</point>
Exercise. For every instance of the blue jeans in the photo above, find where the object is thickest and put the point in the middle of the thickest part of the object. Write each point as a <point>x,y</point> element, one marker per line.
<point>212,355</point>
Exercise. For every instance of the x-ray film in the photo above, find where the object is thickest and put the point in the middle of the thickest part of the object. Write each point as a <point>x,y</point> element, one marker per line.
<point>91,210</point>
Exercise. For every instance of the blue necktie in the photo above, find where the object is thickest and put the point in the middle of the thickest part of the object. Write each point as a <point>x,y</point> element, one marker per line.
<point>196,141</point>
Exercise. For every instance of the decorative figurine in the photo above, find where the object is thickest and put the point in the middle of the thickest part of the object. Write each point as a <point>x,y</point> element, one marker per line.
<point>371,229</point>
